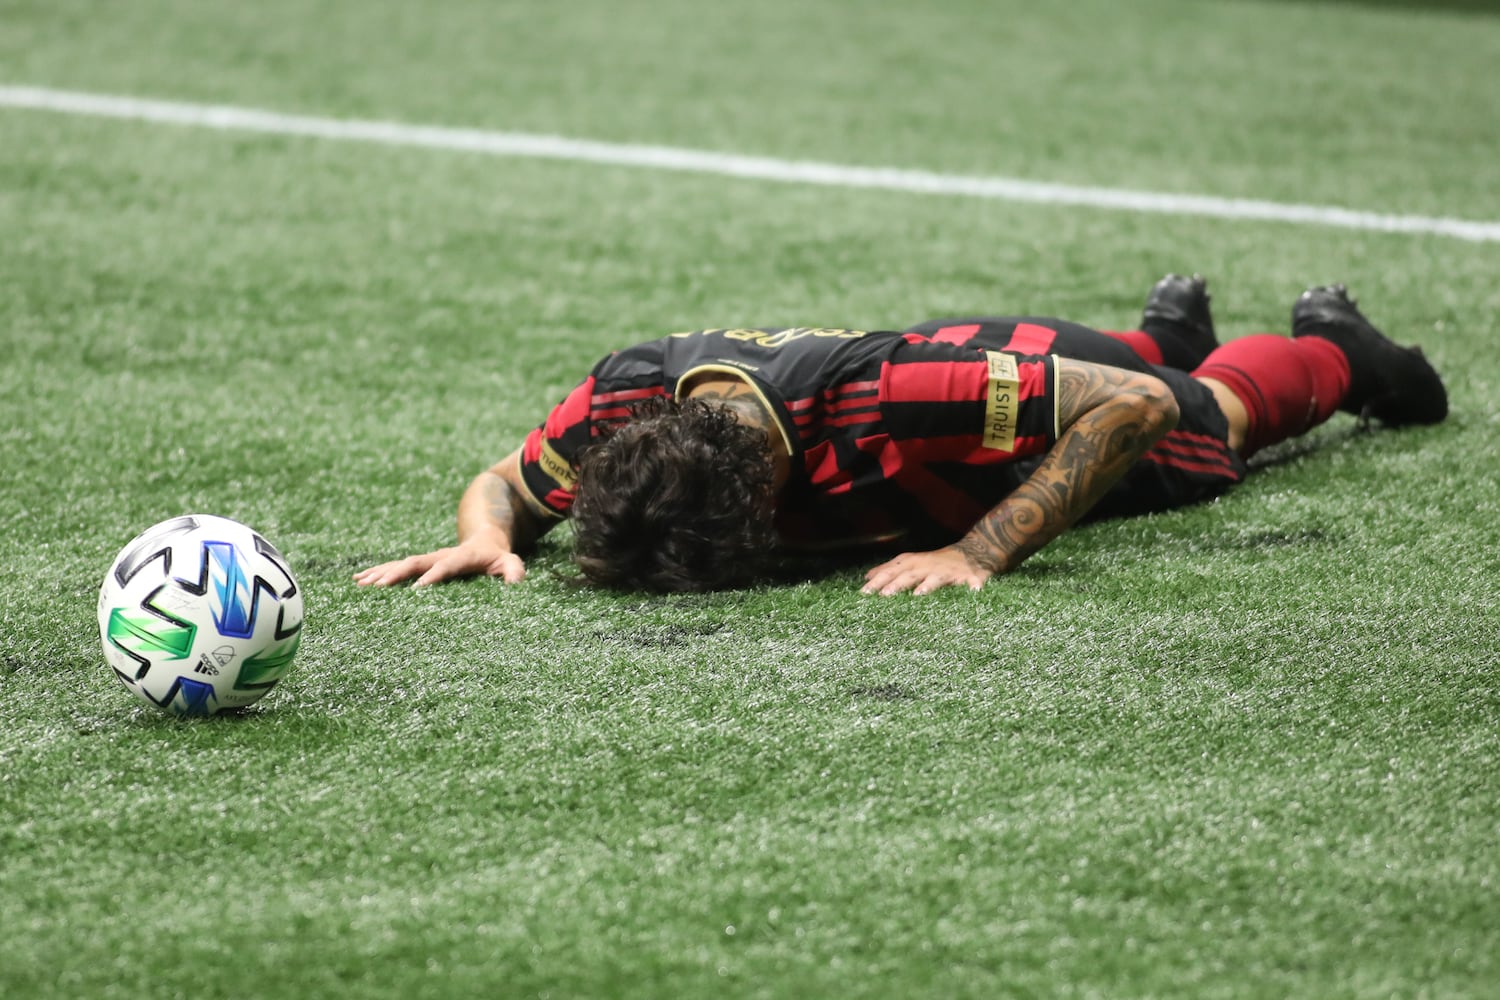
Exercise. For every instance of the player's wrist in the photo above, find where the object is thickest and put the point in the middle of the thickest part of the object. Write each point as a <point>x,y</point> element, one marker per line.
<point>486,539</point>
<point>981,556</point>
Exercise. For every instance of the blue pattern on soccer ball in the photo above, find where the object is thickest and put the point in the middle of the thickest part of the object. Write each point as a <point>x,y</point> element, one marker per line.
<point>196,695</point>
<point>231,594</point>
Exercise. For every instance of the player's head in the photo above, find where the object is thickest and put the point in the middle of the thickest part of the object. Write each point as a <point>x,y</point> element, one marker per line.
<point>677,498</point>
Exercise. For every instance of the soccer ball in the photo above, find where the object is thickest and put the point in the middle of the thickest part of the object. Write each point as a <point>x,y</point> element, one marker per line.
<point>200,614</point>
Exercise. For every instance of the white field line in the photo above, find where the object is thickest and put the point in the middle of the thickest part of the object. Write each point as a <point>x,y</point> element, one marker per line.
<point>727,164</point>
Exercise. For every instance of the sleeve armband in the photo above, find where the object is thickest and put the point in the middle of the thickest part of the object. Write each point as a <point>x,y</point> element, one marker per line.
<point>547,479</point>
<point>1002,402</point>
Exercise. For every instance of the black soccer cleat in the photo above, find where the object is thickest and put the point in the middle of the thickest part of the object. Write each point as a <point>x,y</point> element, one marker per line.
<point>1178,307</point>
<point>1391,383</point>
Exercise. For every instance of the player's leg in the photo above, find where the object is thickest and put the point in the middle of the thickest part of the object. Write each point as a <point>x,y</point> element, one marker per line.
<point>1273,388</point>
<point>1177,331</point>
<point>1393,384</point>
<point>1195,461</point>
<point>1177,327</point>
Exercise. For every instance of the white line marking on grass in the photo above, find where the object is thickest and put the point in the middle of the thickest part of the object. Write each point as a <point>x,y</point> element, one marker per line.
<point>730,165</point>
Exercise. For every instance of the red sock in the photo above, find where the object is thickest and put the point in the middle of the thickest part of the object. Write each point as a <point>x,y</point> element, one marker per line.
<point>1288,386</point>
<point>1139,341</point>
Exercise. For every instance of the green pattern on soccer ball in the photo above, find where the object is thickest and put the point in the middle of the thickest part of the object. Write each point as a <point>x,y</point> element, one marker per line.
<point>150,635</point>
<point>267,666</point>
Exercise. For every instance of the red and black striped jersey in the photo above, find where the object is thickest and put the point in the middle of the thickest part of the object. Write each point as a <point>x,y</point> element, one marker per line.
<point>890,434</point>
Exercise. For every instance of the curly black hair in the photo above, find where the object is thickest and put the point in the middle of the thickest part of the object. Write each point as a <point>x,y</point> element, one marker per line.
<point>677,498</point>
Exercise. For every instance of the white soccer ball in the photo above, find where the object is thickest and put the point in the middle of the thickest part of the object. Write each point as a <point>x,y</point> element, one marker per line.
<point>200,614</point>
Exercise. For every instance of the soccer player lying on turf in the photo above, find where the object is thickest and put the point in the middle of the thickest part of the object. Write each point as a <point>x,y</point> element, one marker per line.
<point>964,445</point>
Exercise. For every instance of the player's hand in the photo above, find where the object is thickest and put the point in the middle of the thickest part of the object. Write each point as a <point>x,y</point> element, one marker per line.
<point>462,560</point>
<point>924,572</point>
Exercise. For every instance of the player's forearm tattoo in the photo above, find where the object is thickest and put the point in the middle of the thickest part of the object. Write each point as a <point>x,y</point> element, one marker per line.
<point>1108,429</point>
<point>499,504</point>
<point>505,510</point>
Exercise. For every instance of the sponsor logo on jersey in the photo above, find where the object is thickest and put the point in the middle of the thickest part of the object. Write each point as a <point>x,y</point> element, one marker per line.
<point>1002,402</point>
<point>553,465</point>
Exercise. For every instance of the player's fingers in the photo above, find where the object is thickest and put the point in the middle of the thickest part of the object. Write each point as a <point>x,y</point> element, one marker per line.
<point>937,581</point>
<point>901,582</point>
<point>369,574</point>
<point>877,578</point>
<point>887,567</point>
<point>447,567</point>
<point>510,568</point>
<point>418,566</point>
<point>921,573</point>
<point>387,573</point>
<point>931,582</point>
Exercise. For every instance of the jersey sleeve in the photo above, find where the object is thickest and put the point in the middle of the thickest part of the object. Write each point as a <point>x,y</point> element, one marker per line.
<point>962,403</point>
<point>1020,403</point>
<point>550,453</point>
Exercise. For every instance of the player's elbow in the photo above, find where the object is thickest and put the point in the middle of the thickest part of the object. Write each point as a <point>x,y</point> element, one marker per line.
<point>1156,408</point>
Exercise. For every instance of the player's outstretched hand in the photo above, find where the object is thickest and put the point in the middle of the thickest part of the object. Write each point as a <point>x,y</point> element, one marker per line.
<point>462,560</point>
<point>924,572</point>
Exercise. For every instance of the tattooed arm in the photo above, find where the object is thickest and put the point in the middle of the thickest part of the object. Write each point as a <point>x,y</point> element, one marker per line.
<point>494,524</point>
<point>1109,418</point>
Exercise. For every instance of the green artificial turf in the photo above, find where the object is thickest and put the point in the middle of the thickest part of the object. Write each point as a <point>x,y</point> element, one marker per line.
<point>1246,749</point>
